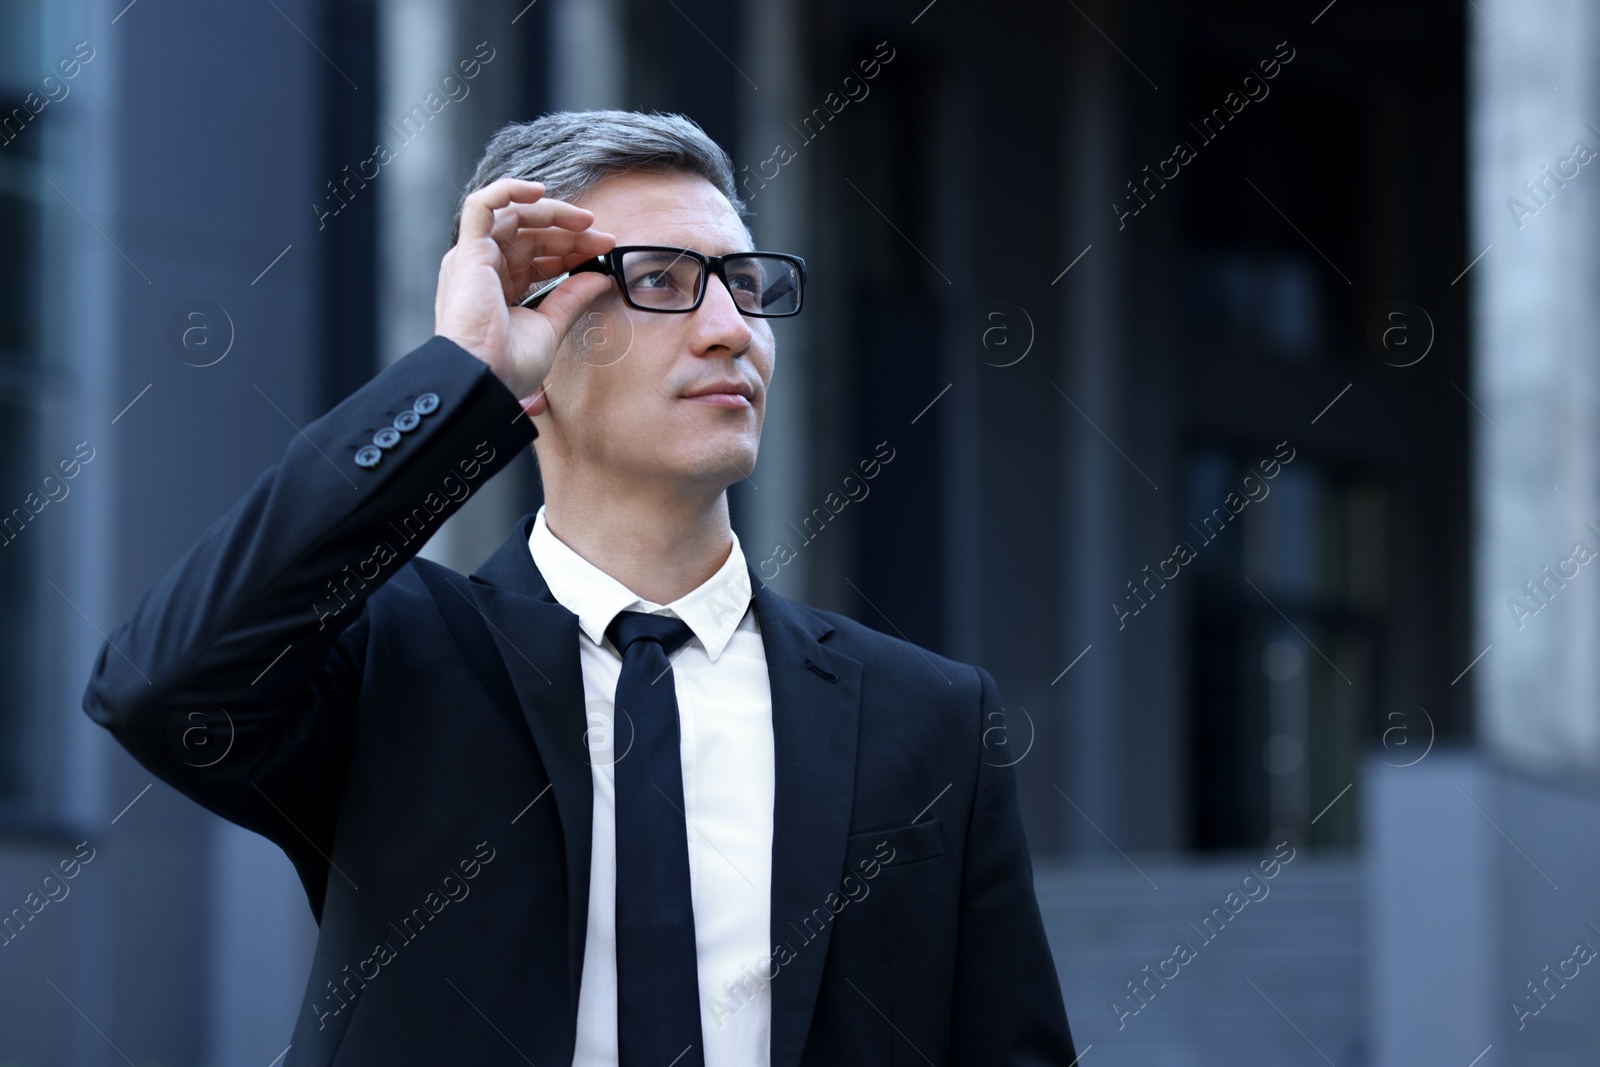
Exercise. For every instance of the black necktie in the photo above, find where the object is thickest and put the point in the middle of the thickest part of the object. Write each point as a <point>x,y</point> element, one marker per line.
<point>658,992</point>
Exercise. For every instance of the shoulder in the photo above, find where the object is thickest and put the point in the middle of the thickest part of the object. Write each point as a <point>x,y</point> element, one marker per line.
<point>416,596</point>
<point>937,713</point>
<point>888,655</point>
<point>416,584</point>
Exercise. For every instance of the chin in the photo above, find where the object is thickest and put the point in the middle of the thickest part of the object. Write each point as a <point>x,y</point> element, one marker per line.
<point>726,466</point>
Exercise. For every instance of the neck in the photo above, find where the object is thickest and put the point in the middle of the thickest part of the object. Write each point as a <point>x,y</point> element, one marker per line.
<point>660,541</point>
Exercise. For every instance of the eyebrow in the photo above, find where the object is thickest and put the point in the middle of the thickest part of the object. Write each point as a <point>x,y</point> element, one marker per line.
<point>743,247</point>
<point>746,243</point>
<point>747,246</point>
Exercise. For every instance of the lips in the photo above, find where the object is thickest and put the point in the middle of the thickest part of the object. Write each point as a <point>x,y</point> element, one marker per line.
<point>722,388</point>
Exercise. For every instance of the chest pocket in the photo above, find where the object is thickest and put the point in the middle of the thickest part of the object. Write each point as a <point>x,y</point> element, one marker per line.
<point>900,846</point>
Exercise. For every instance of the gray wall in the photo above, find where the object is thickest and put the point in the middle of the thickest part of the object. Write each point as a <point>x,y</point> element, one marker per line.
<point>172,149</point>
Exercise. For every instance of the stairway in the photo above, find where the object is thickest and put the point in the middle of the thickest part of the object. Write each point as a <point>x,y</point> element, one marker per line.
<point>1301,944</point>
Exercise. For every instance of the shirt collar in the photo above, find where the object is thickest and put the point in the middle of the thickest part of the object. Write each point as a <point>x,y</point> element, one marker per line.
<point>712,610</point>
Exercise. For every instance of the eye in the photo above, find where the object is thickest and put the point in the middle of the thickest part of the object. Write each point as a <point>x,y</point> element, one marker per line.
<point>658,273</point>
<point>745,279</point>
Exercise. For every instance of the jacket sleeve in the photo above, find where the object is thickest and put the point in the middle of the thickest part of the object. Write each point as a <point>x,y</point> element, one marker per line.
<point>235,680</point>
<point>1008,1008</point>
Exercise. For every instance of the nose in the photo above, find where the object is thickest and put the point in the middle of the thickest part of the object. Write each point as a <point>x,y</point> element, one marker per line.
<point>718,322</point>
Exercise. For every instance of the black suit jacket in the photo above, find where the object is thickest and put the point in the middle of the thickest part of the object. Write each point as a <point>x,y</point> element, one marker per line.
<point>414,740</point>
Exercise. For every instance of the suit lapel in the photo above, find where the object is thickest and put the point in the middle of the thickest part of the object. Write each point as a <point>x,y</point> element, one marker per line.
<point>538,640</point>
<point>815,710</point>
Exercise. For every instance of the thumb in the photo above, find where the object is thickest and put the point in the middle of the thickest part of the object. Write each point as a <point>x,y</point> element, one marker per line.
<point>569,300</point>
<point>562,309</point>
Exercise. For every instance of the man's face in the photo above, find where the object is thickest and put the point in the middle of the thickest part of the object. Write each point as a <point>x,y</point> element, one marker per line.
<point>619,389</point>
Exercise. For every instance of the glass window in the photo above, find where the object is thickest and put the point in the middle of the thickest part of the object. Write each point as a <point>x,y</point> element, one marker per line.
<point>19,271</point>
<point>21,263</point>
<point>1285,625</point>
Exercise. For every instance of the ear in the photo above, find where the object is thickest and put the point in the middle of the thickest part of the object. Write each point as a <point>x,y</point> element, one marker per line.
<point>535,403</point>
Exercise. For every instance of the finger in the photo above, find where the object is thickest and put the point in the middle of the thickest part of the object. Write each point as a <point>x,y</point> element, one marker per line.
<point>546,241</point>
<point>525,273</point>
<point>479,207</point>
<point>543,268</point>
<point>551,213</point>
<point>590,242</point>
<point>522,252</point>
<point>531,254</point>
<point>550,266</point>
<point>548,211</point>
<point>569,300</point>
<point>540,272</point>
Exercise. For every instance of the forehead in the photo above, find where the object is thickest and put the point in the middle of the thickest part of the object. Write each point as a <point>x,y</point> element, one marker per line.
<point>682,210</point>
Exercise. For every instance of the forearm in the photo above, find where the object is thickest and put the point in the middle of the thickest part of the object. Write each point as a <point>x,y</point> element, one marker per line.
<point>235,644</point>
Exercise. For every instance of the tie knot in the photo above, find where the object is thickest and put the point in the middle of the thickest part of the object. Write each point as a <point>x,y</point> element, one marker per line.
<point>631,626</point>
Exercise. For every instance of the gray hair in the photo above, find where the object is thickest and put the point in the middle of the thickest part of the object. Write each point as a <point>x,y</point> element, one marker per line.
<point>572,151</point>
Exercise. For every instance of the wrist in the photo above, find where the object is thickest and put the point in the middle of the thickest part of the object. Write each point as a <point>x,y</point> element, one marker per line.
<point>481,352</point>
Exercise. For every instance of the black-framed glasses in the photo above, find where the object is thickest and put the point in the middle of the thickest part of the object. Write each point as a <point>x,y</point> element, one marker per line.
<point>764,285</point>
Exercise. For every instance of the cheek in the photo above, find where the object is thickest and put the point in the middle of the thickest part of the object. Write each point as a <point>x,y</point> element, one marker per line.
<point>764,354</point>
<point>605,335</point>
<point>606,405</point>
<point>575,391</point>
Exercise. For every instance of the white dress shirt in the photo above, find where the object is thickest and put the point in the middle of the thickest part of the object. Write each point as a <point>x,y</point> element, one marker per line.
<point>725,726</point>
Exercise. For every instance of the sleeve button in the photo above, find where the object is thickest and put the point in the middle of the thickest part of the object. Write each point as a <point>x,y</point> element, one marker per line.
<point>368,456</point>
<point>387,437</point>
<point>426,404</point>
<point>407,421</point>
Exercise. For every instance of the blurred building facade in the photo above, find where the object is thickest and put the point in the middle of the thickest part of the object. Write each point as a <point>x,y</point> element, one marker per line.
<point>1235,368</point>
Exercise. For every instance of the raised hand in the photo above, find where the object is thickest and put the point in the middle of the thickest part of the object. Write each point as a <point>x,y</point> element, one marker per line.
<point>512,237</point>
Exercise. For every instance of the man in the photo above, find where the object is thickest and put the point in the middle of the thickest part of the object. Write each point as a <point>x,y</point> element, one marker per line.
<point>586,805</point>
